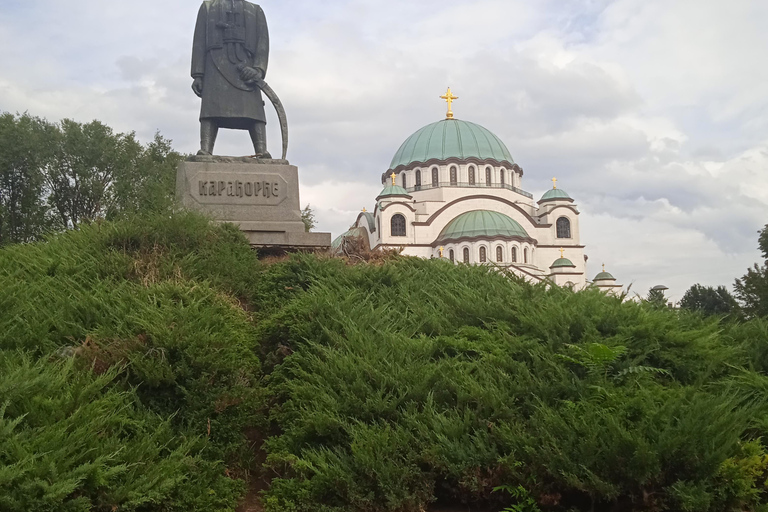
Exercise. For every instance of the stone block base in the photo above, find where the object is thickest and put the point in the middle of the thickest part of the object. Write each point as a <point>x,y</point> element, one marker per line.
<point>260,196</point>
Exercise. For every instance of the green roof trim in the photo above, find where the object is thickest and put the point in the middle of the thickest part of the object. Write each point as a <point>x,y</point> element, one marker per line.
<point>451,138</point>
<point>481,224</point>
<point>393,190</point>
<point>562,262</point>
<point>554,194</point>
<point>604,276</point>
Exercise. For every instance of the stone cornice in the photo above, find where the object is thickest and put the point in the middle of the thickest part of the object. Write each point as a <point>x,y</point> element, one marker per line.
<point>454,161</point>
<point>485,238</point>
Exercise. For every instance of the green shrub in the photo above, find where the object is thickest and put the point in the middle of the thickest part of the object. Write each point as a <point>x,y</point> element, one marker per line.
<point>72,441</point>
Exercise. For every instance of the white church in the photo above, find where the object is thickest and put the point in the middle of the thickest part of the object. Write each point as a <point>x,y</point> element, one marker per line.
<point>453,191</point>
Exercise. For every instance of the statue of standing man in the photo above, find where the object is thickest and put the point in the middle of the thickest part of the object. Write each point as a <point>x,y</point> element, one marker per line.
<point>229,57</point>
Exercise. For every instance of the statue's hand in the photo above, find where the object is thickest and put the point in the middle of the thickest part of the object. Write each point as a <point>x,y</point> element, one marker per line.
<point>249,74</point>
<point>197,86</point>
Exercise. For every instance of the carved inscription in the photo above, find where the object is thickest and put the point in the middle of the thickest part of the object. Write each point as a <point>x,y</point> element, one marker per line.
<point>255,189</point>
<point>239,189</point>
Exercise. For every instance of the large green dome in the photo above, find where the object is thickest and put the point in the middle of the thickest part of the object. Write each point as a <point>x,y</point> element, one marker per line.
<point>451,138</point>
<point>482,224</point>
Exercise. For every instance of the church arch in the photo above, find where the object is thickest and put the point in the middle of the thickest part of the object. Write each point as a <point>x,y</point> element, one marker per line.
<point>405,182</point>
<point>435,177</point>
<point>514,255</point>
<point>466,255</point>
<point>418,179</point>
<point>563,227</point>
<point>452,256</point>
<point>488,177</point>
<point>471,175</point>
<point>454,176</point>
<point>525,255</point>
<point>483,254</point>
<point>502,177</point>
<point>398,225</point>
<point>499,254</point>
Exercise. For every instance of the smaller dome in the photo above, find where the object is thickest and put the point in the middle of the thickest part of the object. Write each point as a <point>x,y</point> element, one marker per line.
<point>604,276</point>
<point>562,262</point>
<point>555,194</point>
<point>393,191</point>
<point>482,224</point>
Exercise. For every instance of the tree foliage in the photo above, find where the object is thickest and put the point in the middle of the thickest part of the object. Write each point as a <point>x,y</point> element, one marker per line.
<point>709,300</point>
<point>656,298</point>
<point>56,176</point>
<point>751,290</point>
<point>23,156</point>
<point>308,218</point>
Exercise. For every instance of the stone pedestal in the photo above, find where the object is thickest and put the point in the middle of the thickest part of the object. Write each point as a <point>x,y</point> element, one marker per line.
<point>260,196</point>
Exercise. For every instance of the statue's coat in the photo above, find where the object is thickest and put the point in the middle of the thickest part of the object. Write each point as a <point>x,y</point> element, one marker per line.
<point>226,98</point>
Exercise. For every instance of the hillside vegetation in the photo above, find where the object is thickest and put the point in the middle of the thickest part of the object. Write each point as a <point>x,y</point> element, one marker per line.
<point>143,362</point>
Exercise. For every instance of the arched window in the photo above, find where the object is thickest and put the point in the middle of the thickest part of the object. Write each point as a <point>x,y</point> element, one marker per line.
<point>483,255</point>
<point>398,225</point>
<point>452,256</point>
<point>418,179</point>
<point>563,227</point>
<point>435,177</point>
<point>525,255</point>
<point>466,255</point>
<point>454,177</point>
<point>501,175</point>
<point>405,183</point>
<point>471,175</point>
<point>514,255</point>
<point>488,180</point>
<point>500,254</point>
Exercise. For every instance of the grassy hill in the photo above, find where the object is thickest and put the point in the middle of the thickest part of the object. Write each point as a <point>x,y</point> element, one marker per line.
<point>159,365</point>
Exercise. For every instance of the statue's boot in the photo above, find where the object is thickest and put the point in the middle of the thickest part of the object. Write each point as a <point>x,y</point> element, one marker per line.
<point>259,138</point>
<point>208,132</point>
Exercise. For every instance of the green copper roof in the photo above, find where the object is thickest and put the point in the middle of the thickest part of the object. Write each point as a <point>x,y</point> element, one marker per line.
<point>371,221</point>
<point>555,193</point>
<point>562,262</point>
<point>451,138</point>
<point>393,190</point>
<point>352,233</point>
<point>481,223</point>
<point>604,276</point>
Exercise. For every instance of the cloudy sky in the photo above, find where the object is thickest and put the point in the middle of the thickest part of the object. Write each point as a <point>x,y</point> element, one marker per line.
<point>653,114</point>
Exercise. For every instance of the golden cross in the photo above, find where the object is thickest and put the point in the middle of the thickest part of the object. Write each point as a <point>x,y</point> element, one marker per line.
<point>554,183</point>
<point>562,253</point>
<point>394,179</point>
<point>364,210</point>
<point>449,97</point>
<point>442,250</point>
<point>603,267</point>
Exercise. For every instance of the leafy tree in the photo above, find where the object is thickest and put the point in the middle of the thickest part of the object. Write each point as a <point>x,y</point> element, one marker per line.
<point>656,298</point>
<point>22,157</point>
<point>59,175</point>
<point>709,300</point>
<point>751,290</point>
<point>308,218</point>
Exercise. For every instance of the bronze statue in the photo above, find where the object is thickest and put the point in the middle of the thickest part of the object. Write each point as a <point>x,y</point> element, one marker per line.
<point>229,61</point>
